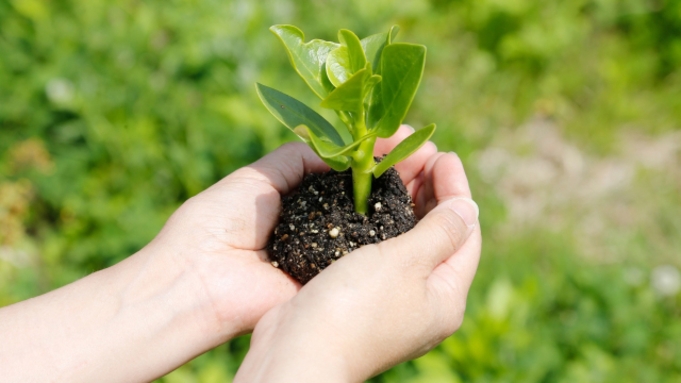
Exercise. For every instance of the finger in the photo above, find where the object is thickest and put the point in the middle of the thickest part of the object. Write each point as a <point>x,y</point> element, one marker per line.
<point>443,178</point>
<point>421,188</point>
<point>436,237</point>
<point>413,165</point>
<point>284,168</point>
<point>455,275</point>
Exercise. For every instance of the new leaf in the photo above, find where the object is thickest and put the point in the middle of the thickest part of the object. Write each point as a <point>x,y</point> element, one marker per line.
<point>308,59</point>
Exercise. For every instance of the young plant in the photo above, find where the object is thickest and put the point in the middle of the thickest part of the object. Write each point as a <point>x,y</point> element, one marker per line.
<point>369,83</point>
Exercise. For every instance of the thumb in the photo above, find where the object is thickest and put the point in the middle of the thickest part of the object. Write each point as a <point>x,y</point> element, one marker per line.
<point>439,235</point>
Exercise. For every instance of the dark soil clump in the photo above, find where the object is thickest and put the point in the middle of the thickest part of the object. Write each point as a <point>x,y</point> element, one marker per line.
<point>318,223</point>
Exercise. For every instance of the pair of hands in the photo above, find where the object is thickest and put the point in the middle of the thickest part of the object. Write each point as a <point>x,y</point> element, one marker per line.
<point>205,279</point>
<point>378,306</point>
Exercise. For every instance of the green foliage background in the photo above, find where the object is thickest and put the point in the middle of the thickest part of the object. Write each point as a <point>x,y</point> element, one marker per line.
<point>114,112</point>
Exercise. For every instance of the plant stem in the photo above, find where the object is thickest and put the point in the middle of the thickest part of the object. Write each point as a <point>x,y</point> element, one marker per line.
<point>362,163</point>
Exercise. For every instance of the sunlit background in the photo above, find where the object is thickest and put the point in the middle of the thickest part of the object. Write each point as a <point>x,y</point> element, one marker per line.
<point>567,115</point>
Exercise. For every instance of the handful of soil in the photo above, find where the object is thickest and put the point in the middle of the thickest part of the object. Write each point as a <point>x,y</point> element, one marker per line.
<point>318,223</point>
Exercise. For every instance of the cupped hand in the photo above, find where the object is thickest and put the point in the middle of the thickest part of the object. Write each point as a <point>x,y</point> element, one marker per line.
<point>385,303</point>
<point>219,236</point>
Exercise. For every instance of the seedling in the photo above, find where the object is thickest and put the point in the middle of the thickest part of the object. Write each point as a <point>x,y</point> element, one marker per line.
<point>369,83</point>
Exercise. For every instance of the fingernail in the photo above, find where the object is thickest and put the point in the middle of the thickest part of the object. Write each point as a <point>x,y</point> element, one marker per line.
<point>409,127</point>
<point>467,209</point>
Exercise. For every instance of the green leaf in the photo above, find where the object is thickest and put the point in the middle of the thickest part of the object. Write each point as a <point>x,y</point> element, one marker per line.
<point>308,59</point>
<point>349,96</point>
<point>338,66</point>
<point>404,149</point>
<point>357,59</point>
<point>326,149</point>
<point>321,148</point>
<point>294,113</point>
<point>346,60</point>
<point>373,47</point>
<point>402,67</point>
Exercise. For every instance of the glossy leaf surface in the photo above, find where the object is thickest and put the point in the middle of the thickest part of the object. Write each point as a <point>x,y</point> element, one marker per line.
<point>404,149</point>
<point>307,58</point>
<point>338,66</point>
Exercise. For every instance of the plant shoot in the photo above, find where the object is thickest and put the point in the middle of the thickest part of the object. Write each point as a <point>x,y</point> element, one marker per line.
<point>369,83</point>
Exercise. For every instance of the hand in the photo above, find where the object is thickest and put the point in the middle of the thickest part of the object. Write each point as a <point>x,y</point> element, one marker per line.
<point>381,304</point>
<point>219,237</point>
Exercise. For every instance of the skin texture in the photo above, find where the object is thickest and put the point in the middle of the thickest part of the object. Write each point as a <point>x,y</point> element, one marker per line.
<point>205,279</point>
<point>381,304</point>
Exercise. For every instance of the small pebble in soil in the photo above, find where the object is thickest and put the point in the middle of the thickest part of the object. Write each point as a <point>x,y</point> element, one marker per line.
<point>333,233</point>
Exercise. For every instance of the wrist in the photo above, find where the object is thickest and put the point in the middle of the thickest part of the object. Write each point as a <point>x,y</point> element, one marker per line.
<point>282,353</point>
<point>174,284</point>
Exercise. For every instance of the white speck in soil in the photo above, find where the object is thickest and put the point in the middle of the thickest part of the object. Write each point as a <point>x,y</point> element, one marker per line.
<point>333,233</point>
<point>275,263</point>
<point>372,233</point>
<point>378,206</point>
<point>291,226</point>
<point>313,244</point>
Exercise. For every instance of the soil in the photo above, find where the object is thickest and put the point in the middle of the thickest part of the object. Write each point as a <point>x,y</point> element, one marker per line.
<point>318,223</point>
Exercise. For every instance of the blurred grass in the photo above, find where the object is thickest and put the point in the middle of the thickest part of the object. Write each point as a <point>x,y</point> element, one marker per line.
<point>113,113</point>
